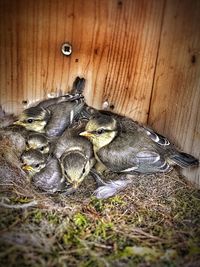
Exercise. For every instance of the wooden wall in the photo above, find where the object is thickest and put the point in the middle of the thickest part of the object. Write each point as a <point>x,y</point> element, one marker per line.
<point>175,102</point>
<point>142,56</point>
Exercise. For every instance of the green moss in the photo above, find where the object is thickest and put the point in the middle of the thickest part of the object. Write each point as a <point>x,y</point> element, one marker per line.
<point>38,215</point>
<point>80,220</point>
<point>103,229</point>
<point>98,204</point>
<point>53,218</point>
<point>154,223</point>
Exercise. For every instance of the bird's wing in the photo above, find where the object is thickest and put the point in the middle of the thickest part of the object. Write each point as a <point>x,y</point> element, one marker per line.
<point>49,178</point>
<point>157,138</point>
<point>118,155</point>
<point>128,154</point>
<point>63,115</point>
<point>149,161</point>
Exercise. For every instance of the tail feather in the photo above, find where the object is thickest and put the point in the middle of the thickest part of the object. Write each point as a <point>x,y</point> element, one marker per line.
<point>78,86</point>
<point>184,160</point>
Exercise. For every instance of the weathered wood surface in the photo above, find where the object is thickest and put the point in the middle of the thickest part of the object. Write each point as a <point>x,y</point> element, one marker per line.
<point>142,56</point>
<point>175,105</point>
<point>114,47</point>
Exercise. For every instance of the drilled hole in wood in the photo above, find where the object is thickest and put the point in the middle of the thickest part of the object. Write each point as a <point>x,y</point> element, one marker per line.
<point>66,49</point>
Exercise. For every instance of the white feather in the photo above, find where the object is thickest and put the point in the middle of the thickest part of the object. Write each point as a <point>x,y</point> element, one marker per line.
<point>111,188</point>
<point>156,159</point>
<point>71,116</point>
<point>130,169</point>
<point>161,166</point>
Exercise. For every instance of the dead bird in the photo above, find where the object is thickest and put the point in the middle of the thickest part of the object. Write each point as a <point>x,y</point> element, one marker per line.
<point>10,170</point>
<point>12,145</point>
<point>123,146</point>
<point>45,173</point>
<point>75,154</point>
<point>15,136</point>
<point>52,116</point>
<point>11,174</point>
<point>5,118</point>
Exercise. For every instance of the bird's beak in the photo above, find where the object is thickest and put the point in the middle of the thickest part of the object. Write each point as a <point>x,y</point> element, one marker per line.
<point>87,134</point>
<point>30,147</point>
<point>17,123</point>
<point>27,168</point>
<point>75,184</point>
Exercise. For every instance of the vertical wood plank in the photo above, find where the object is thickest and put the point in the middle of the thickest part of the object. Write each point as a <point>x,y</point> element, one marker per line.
<point>175,105</point>
<point>114,46</point>
<point>132,55</point>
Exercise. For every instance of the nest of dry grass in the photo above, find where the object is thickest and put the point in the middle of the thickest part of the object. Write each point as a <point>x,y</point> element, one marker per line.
<point>154,222</point>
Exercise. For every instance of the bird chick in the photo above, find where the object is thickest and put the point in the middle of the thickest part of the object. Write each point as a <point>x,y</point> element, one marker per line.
<point>75,166</point>
<point>34,119</point>
<point>38,141</point>
<point>52,116</point>
<point>75,154</point>
<point>45,173</point>
<point>123,146</point>
<point>23,139</point>
<point>14,140</point>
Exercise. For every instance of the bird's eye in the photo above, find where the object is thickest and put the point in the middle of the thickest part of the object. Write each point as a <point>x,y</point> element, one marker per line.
<point>42,148</point>
<point>100,131</point>
<point>30,120</point>
<point>37,165</point>
<point>83,170</point>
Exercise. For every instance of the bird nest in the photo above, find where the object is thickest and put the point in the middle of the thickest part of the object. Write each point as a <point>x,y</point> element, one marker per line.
<point>155,221</point>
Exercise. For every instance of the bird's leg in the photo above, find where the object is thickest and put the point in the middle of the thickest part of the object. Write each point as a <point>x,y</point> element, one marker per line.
<point>97,177</point>
<point>111,188</point>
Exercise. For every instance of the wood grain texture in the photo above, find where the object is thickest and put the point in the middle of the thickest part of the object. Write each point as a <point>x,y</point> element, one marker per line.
<point>175,105</point>
<point>135,54</point>
<point>114,47</point>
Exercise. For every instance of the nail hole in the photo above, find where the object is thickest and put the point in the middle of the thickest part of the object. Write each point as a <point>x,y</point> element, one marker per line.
<point>96,51</point>
<point>112,106</point>
<point>119,3</point>
<point>193,59</point>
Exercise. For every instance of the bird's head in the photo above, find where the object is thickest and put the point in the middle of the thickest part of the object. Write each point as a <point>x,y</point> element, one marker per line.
<point>101,130</point>
<point>75,167</point>
<point>38,141</point>
<point>33,161</point>
<point>34,119</point>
